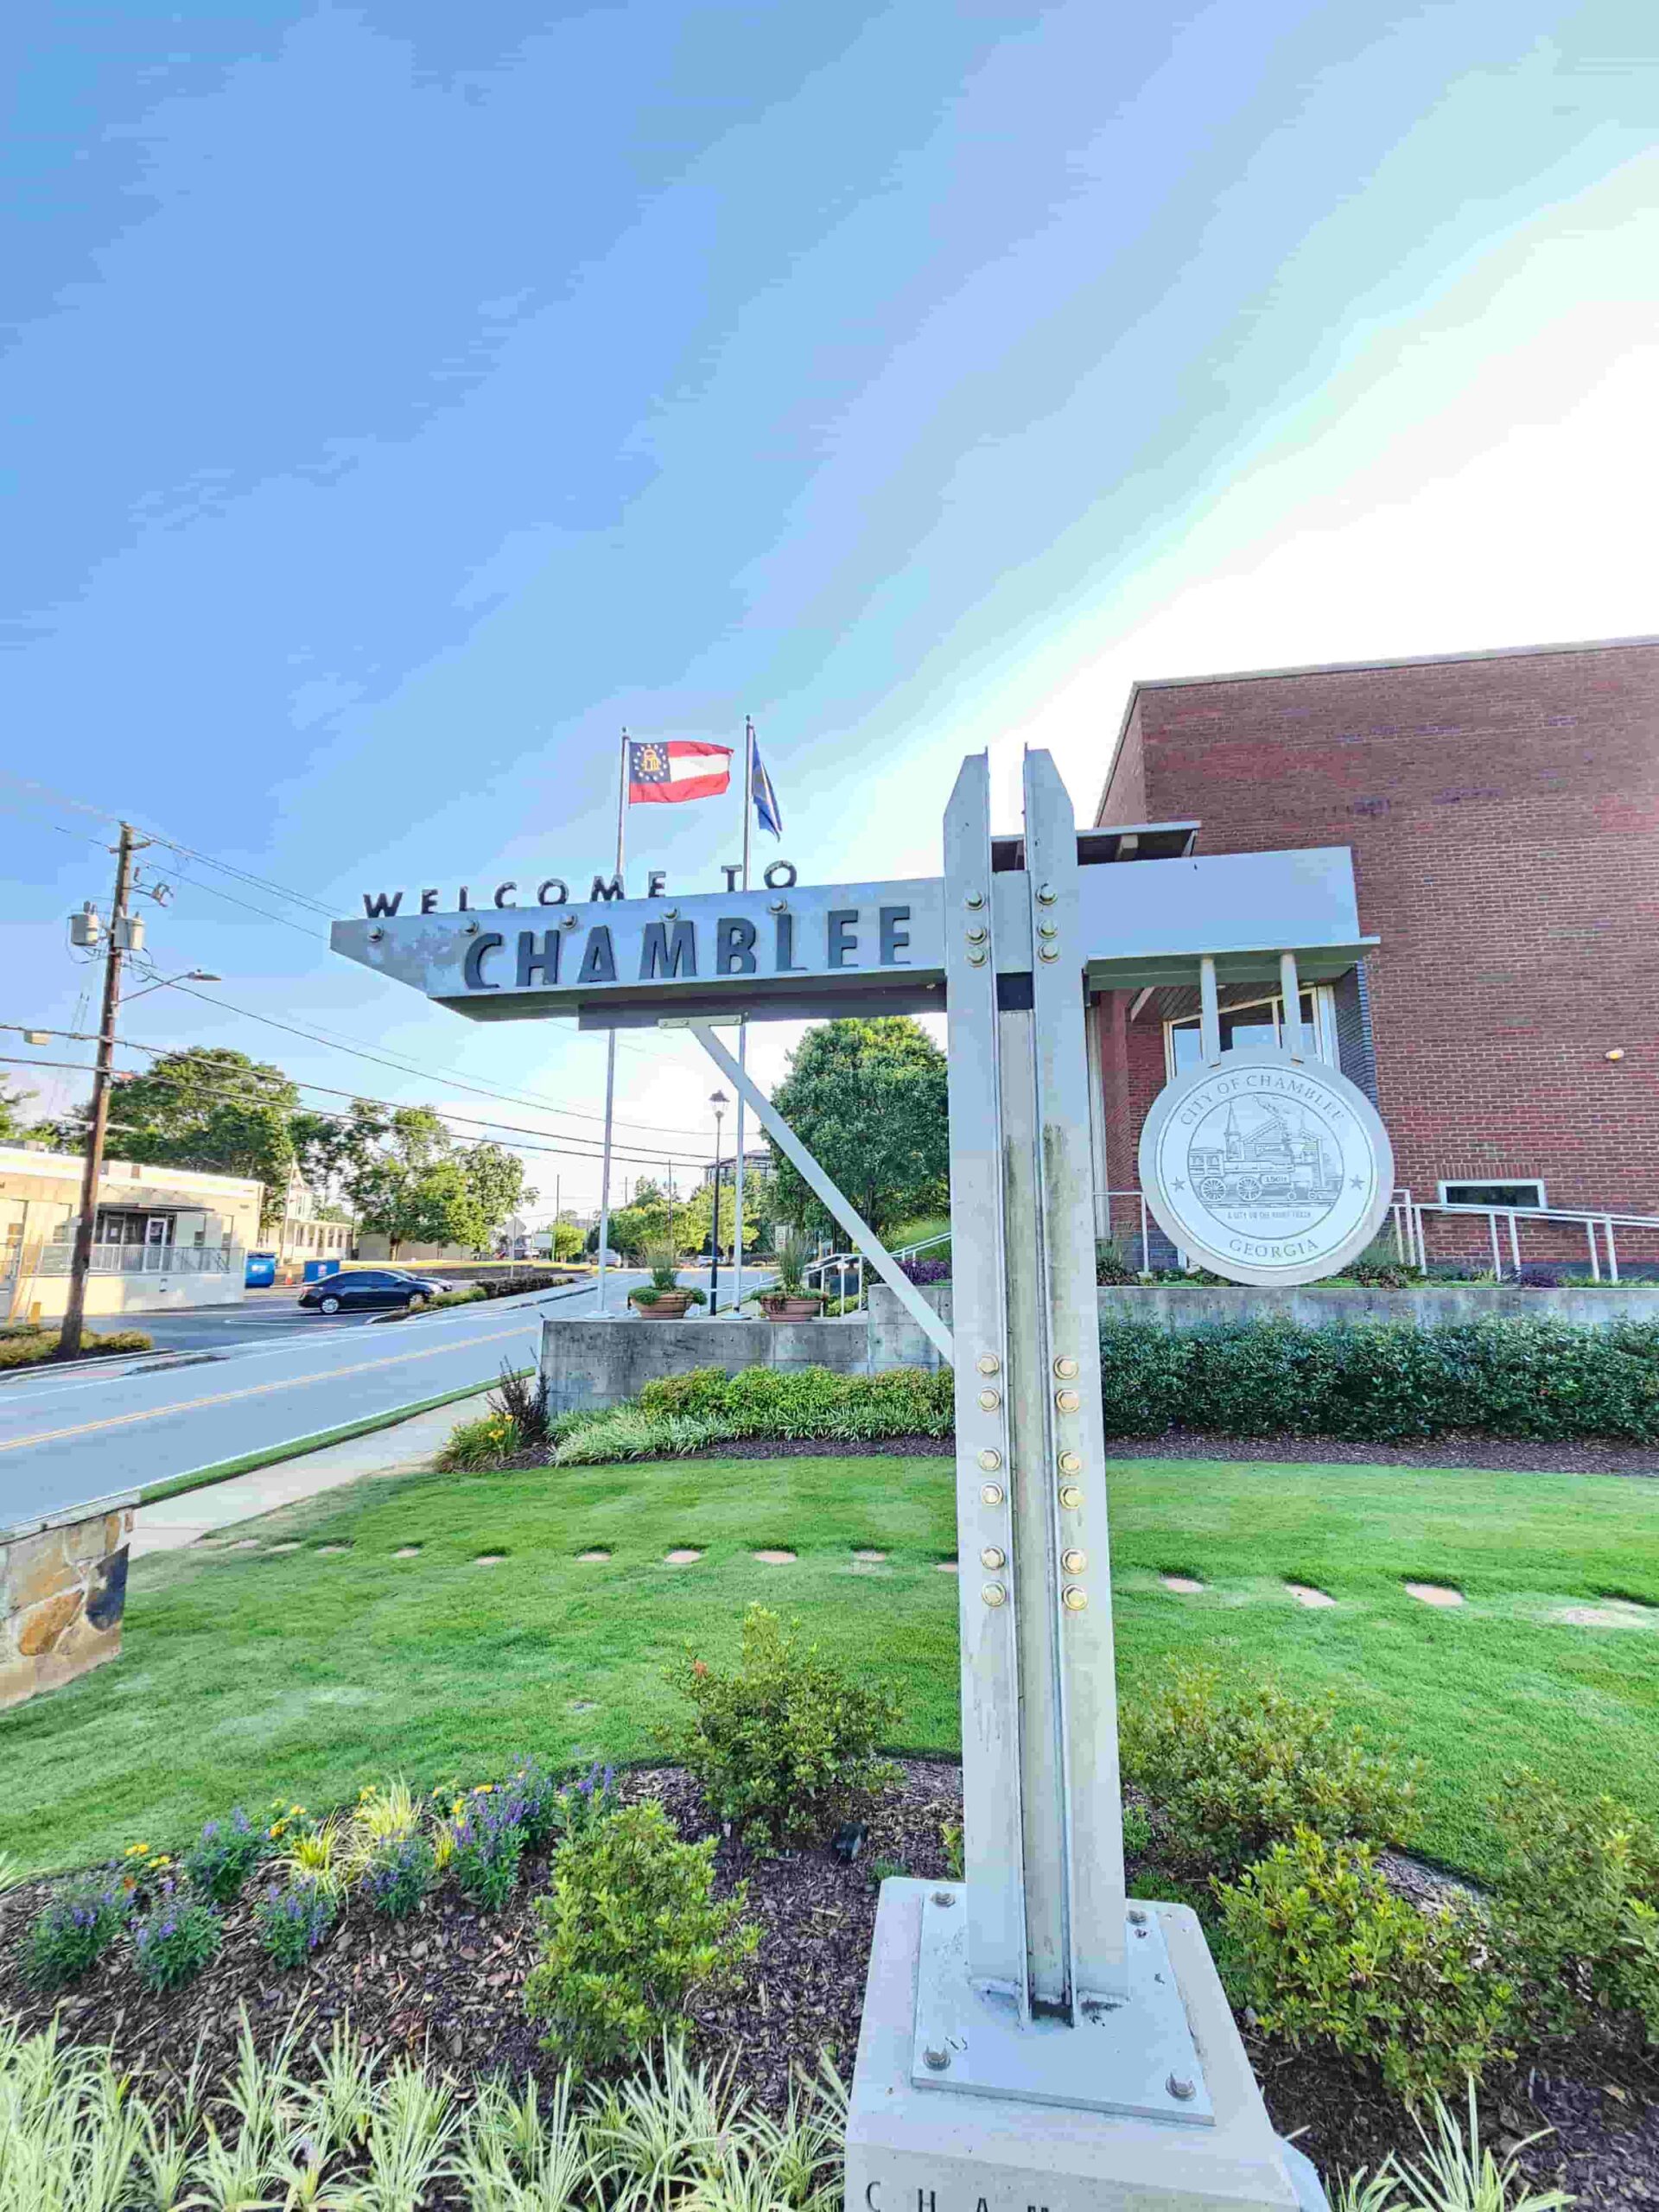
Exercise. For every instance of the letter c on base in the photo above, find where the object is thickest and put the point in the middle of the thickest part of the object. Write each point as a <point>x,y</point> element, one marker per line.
<point>472,971</point>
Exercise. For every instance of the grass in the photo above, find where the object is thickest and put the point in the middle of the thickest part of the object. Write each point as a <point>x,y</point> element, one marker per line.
<point>306,1672</point>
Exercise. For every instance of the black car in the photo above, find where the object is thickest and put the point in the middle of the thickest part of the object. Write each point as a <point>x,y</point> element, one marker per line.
<point>357,1288</point>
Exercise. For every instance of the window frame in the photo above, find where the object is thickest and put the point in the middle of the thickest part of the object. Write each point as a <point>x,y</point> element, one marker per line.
<point>1324,1025</point>
<point>1487,1182</point>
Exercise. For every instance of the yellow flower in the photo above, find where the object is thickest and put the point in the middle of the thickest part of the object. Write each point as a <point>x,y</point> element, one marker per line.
<point>272,1834</point>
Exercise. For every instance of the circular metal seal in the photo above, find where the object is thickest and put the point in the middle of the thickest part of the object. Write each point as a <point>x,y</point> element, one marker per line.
<point>1267,1169</point>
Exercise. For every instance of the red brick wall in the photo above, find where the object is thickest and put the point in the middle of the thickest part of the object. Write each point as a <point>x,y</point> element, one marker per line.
<point>1503,815</point>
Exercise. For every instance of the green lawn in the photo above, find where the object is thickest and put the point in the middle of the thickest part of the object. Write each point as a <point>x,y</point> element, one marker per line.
<point>305,1673</point>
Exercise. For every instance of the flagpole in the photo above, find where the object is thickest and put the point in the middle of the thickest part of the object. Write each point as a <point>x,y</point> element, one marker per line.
<point>610,1043</point>
<point>742,1028</point>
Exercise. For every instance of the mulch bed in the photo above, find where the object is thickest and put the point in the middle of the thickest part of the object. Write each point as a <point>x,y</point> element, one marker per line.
<point>1466,1449</point>
<point>448,1980</point>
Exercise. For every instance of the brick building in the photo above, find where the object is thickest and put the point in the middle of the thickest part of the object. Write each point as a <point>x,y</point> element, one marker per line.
<point>1502,809</point>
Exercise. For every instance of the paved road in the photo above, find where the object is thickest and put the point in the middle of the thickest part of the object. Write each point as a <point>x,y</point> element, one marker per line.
<point>66,1437</point>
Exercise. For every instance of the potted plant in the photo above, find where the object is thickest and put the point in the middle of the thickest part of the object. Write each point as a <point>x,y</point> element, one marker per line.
<point>662,1297</point>
<point>789,1298</point>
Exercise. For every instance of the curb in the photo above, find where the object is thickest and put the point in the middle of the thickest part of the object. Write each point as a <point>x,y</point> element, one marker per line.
<point>297,1448</point>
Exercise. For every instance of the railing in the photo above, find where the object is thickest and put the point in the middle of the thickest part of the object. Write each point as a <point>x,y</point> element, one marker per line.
<point>148,1258</point>
<point>1411,1243</point>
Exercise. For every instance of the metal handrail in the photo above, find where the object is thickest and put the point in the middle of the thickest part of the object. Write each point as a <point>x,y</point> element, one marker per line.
<point>1411,1244</point>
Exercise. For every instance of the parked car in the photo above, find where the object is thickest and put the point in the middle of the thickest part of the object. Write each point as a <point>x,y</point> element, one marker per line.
<point>358,1288</point>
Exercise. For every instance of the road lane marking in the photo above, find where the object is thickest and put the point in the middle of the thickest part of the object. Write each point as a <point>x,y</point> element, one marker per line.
<point>252,1390</point>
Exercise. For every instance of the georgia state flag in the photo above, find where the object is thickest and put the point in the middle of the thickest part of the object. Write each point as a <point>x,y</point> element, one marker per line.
<point>662,774</point>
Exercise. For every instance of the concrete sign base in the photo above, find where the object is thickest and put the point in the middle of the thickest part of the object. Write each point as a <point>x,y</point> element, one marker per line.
<point>935,2149</point>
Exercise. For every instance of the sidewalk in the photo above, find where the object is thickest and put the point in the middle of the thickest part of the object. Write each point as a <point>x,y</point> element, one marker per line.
<point>171,1523</point>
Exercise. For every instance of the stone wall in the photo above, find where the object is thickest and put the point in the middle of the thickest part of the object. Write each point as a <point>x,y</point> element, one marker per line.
<point>63,1588</point>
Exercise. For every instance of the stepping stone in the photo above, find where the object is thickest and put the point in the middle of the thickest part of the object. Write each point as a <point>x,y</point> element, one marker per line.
<point>407,1551</point>
<point>599,1556</point>
<point>870,1559</point>
<point>1433,1593</point>
<point>1305,1595</point>
<point>1620,1615</point>
<point>489,1558</point>
<point>292,1545</point>
<point>246,1544</point>
<point>776,1559</point>
<point>1183,1584</point>
<point>945,1566</point>
<point>323,1548</point>
<point>584,1705</point>
<point>681,1557</point>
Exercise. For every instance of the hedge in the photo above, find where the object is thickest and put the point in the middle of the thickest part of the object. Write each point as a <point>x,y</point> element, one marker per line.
<point>808,1402</point>
<point>1378,1382</point>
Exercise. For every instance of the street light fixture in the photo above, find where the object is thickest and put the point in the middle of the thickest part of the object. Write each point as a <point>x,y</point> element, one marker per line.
<point>162,982</point>
<point>720,1102</point>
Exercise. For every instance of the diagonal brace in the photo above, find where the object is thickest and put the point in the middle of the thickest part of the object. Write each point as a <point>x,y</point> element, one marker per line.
<point>842,1207</point>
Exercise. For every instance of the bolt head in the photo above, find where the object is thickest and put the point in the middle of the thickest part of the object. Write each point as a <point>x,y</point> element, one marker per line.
<point>1137,1917</point>
<point>990,1461</point>
<point>1074,1600</point>
<point>1179,2086</point>
<point>987,1363</point>
<point>1071,1497</point>
<point>936,2058</point>
<point>977,959</point>
<point>1074,1561</point>
<point>975,899</point>
<point>375,935</point>
<point>989,1400</point>
<point>1066,1370</point>
<point>777,905</point>
<point>991,1494</point>
<point>992,1558</point>
<point>995,1594</point>
<point>1067,1401</point>
<point>1047,894</point>
<point>945,1896</point>
<point>1048,952</point>
<point>1071,1463</point>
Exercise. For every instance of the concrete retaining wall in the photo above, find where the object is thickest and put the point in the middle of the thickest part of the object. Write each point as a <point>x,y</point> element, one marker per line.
<point>63,1589</point>
<point>1197,1306</point>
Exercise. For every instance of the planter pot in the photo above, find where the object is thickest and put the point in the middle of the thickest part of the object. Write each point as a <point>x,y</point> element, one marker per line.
<point>671,1306</point>
<point>792,1309</point>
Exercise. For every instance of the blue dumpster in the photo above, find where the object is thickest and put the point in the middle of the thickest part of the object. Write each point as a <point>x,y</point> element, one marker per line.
<point>316,1269</point>
<point>261,1270</point>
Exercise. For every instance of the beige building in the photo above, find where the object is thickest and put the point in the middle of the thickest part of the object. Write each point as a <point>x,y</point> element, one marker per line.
<point>302,1233</point>
<point>165,1237</point>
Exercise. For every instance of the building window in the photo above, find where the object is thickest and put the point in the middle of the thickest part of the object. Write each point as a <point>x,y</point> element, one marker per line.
<point>1525,1196</point>
<point>1259,1022</point>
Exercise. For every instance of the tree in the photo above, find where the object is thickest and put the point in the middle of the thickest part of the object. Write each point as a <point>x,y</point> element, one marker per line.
<point>411,1182</point>
<point>12,1121</point>
<point>867,1100</point>
<point>642,1223</point>
<point>567,1240</point>
<point>212,1109</point>
<point>694,1223</point>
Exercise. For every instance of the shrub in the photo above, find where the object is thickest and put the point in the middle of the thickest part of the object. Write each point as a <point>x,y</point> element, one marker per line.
<point>176,1939</point>
<point>27,1347</point>
<point>926,1271</point>
<point>805,1401</point>
<point>1110,1265</point>
<point>522,1400</point>
<point>553,1807</point>
<point>625,1433</point>
<point>458,1297</point>
<point>1381,1268</point>
<point>1577,1902</point>
<point>1543,1379</point>
<point>786,1745</point>
<point>397,1873</point>
<point>631,1928</point>
<point>1324,1952</point>
<point>293,1918</point>
<point>486,1841</point>
<point>1236,1767</point>
<point>476,1446</point>
<point>224,1855</point>
<point>73,1930</point>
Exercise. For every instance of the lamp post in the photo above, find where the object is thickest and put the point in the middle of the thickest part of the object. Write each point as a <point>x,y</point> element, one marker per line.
<point>719,1100</point>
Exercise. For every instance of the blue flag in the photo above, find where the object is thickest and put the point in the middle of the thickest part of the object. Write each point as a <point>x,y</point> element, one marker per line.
<point>768,812</point>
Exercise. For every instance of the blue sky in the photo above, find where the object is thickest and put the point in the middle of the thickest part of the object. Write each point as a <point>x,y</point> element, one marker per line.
<point>400,398</point>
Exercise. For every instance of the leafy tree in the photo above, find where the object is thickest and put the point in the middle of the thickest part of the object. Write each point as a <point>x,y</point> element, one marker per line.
<point>694,1221</point>
<point>567,1240</point>
<point>13,1122</point>
<point>643,1222</point>
<point>867,1100</point>
<point>496,1179</point>
<point>411,1182</point>
<point>336,1151</point>
<point>213,1109</point>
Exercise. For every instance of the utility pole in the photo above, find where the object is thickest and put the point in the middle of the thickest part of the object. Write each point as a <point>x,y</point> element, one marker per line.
<point>74,1312</point>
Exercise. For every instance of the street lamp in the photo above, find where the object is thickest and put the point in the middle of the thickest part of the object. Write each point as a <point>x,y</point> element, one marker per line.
<point>162,982</point>
<point>720,1102</point>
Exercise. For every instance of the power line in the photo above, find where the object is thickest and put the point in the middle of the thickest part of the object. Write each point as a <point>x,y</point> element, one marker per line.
<point>526,1142</point>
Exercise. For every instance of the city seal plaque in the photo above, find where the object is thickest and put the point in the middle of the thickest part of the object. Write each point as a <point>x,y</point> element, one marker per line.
<point>1266,1169</point>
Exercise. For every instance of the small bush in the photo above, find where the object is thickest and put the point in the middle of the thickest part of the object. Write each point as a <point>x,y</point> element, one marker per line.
<point>786,1745</point>
<point>1578,1904</point>
<point>551,1808</point>
<point>176,1939</point>
<point>1325,1952</point>
<point>477,1446</point>
<point>397,1873</point>
<point>1236,1767</point>
<point>486,1841</point>
<point>1111,1266</point>
<point>27,1347</point>
<point>73,1930</point>
<point>522,1400</point>
<point>293,1918</point>
<point>457,1297</point>
<point>922,1272</point>
<point>224,1855</point>
<point>631,1929</point>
